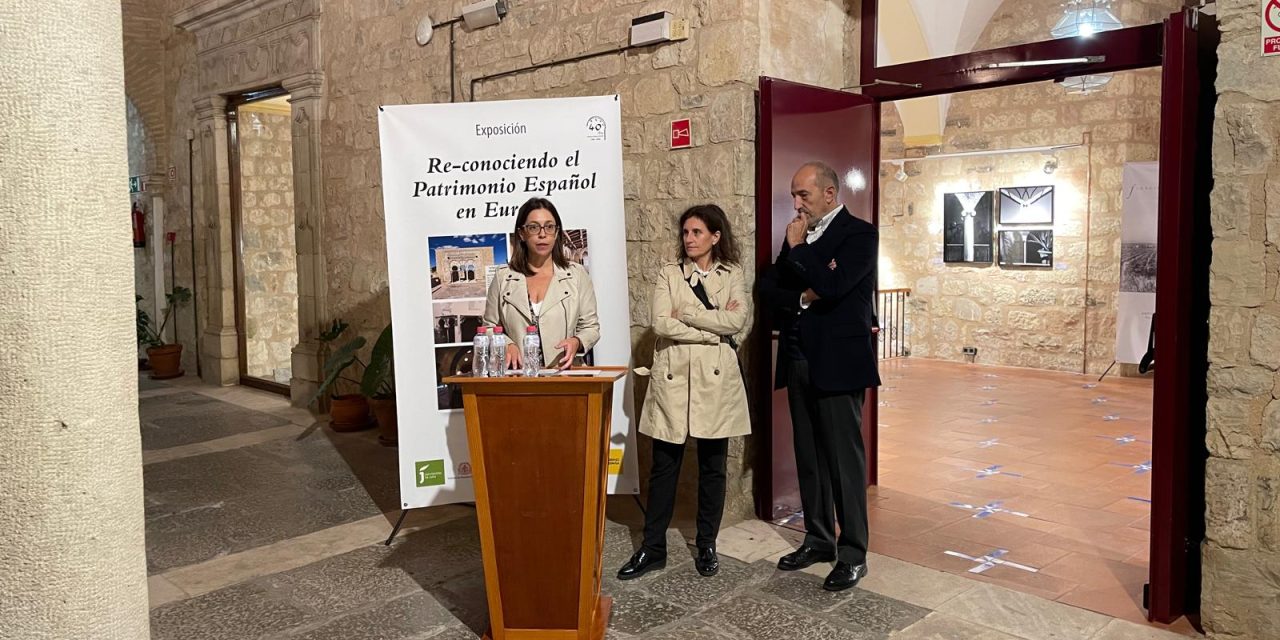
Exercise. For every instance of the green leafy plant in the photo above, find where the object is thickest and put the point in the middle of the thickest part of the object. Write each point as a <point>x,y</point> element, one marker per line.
<point>339,361</point>
<point>148,334</point>
<point>379,380</point>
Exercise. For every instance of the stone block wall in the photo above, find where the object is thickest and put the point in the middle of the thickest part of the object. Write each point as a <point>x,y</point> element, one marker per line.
<point>269,253</point>
<point>1241,555</point>
<point>1027,317</point>
<point>710,78</point>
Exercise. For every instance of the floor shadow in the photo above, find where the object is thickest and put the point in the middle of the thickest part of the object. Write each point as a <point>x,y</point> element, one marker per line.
<point>445,560</point>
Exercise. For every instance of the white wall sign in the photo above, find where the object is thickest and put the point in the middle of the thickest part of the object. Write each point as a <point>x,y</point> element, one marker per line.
<point>453,178</point>
<point>1139,223</point>
<point>1270,20</point>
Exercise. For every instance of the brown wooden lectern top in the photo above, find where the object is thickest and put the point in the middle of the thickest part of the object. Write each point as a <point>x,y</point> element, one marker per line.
<point>540,460</point>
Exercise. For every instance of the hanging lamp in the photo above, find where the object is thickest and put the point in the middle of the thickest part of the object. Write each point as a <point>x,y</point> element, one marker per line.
<point>1084,18</point>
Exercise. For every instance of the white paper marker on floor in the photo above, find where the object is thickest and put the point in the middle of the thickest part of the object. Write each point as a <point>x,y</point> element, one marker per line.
<point>987,510</point>
<point>990,560</point>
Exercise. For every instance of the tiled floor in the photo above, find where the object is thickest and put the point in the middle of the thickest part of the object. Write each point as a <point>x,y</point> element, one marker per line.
<point>263,524</point>
<point>985,466</point>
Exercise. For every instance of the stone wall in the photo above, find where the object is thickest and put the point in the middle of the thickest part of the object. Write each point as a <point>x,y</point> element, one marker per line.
<point>709,78</point>
<point>269,253</point>
<point>803,41</point>
<point>1242,484</point>
<point>1028,317</point>
<point>144,274</point>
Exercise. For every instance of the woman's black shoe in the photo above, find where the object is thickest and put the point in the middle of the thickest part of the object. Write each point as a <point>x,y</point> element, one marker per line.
<point>641,563</point>
<point>707,562</point>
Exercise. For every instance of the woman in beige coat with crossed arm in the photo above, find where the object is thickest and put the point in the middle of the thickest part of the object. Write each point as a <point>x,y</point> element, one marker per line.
<point>700,309</point>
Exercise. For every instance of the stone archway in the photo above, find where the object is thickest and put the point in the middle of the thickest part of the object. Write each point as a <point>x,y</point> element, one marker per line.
<point>243,45</point>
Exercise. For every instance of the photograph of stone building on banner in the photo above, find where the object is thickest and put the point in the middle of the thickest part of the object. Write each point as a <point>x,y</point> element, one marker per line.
<point>460,265</point>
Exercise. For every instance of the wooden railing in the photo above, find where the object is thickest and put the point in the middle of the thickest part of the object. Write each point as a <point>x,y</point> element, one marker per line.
<point>891,310</point>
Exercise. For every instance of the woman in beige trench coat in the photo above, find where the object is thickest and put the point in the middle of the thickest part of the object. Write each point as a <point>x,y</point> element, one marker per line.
<point>700,310</point>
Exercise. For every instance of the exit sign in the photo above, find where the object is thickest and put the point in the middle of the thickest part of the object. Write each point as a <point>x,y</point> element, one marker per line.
<point>681,134</point>
<point>136,184</point>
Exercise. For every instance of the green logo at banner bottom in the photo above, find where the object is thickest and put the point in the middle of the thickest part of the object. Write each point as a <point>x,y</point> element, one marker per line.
<point>429,473</point>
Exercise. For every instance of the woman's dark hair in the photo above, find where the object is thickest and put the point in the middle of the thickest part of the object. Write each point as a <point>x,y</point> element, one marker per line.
<point>520,253</point>
<point>726,250</point>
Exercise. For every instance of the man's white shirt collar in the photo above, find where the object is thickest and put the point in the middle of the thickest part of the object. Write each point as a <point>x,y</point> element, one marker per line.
<point>823,223</point>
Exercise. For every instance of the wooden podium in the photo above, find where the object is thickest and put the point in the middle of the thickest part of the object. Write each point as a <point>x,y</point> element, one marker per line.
<point>540,459</point>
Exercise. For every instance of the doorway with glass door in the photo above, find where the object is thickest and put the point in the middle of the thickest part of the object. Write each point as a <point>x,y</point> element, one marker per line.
<point>261,154</point>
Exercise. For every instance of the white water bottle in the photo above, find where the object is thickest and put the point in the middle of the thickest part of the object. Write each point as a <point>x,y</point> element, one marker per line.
<point>480,353</point>
<point>498,353</point>
<point>532,352</point>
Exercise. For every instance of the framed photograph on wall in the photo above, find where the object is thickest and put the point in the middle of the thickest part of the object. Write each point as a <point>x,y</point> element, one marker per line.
<point>1026,247</point>
<point>1026,205</point>
<point>966,227</point>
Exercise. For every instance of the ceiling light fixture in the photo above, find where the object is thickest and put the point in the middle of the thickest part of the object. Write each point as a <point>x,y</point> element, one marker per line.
<point>1084,18</point>
<point>1085,85</point>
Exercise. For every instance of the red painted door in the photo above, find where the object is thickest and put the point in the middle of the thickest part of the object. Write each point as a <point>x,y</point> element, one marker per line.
<point>800,123</point>
<point>1181,333</point>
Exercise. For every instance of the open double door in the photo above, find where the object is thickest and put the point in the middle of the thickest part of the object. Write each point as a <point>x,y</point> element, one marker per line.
<point>799,123</point>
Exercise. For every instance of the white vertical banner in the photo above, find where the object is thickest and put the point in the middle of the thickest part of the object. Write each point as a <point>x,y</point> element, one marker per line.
<point>1139,223</point>
<point>453,177</point>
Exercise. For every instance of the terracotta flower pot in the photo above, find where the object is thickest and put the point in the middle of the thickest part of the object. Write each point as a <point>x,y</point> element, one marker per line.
<point>166,361</point>
<point>349,412</point>
<point>384,409</point>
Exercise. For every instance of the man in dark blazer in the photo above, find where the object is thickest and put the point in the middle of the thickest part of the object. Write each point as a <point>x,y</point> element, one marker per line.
<point>821,289</point>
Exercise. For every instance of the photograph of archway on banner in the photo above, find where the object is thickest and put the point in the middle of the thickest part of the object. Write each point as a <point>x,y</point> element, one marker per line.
<point>1019,248</point>
<point>1026,205</point>
<point>966,233</point>
<point>459,264</point>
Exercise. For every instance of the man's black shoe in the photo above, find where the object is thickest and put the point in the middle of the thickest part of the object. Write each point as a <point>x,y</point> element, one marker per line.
<point>641,563</point>
<point>803,557</point>
<point>844,576</point>
<point>707,562</point>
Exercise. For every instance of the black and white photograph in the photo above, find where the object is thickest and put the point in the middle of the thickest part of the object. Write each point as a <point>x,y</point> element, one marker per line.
<point>966,232</point>
<point>1026,248</point>
<point>451,361</point>
<point>1026,205</point>
<point>1138,267</point>
<point>456,321</point>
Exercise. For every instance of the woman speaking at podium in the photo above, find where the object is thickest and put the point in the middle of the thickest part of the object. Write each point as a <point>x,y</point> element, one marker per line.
<point>695,388</point>
<point>541,287</point>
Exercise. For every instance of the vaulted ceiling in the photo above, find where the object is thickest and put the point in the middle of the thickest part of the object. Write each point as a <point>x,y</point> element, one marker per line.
<point>911,30</point>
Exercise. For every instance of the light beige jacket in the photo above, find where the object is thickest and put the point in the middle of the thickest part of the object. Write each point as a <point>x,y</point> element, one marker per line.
<point>568,310</point>
<point>695,386</point>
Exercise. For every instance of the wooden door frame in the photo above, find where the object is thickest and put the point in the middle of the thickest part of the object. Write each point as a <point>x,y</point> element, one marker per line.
<point>1124,49</point>
<point>237,234</point>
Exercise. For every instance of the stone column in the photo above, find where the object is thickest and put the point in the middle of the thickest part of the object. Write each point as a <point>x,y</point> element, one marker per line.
<point>306,95</point>
<point>218,343</point>
<point>72,558</point>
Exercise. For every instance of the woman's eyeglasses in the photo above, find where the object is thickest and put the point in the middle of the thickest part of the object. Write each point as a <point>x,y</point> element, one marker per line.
<point>533,228</point>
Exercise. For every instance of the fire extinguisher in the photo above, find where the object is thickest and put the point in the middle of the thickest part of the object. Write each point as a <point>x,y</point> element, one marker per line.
<point>139,227</point>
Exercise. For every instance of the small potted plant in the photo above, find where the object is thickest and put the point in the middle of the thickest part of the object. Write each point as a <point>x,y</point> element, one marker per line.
<point>379,385</point>
<point>347,411</point>
<point>165,359</point>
